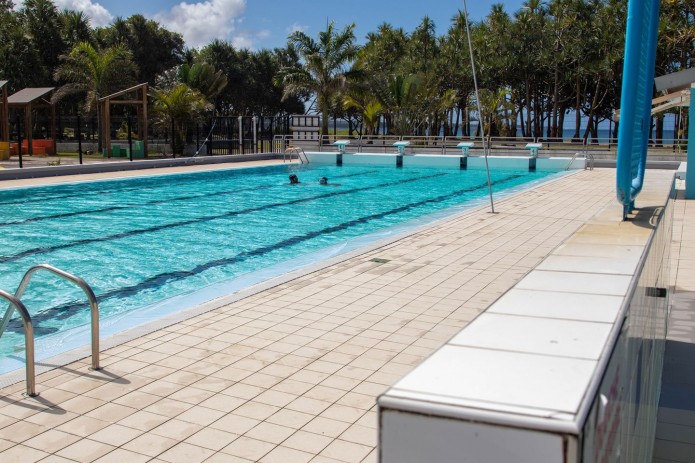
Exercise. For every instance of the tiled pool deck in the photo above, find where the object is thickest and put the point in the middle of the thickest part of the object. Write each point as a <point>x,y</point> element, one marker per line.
<point>291,374</point>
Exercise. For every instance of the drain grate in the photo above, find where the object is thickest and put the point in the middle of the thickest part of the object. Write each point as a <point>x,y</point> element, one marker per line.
<point>379,261</point>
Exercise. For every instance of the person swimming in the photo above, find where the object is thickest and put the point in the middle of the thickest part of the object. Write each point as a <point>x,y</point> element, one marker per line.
<point>323,181</point>
<point>294,179</point>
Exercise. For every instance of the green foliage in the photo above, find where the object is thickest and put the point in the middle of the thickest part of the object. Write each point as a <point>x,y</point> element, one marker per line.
<point>324,71</point>
<point>94,72</point>
<point>153,47</point>
<point>178,106</point>
<point>550,58</point>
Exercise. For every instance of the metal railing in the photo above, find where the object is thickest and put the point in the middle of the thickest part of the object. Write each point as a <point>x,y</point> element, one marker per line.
<point>301,155</point>
<point>504,146</point>
<point>588,160</point>
<point>16,303</point>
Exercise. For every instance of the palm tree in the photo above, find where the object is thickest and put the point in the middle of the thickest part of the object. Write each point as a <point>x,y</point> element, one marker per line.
<point>93,72</point>
<point>324,72</point>
<point>496,111</point>
<point>177,106</point>
<point>75,27</point>
<point>369,108</point>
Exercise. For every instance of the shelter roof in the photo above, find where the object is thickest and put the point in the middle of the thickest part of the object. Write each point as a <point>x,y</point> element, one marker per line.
<point>28,95</point>
<point>675,81</point>
<point>124,92</point>
<point>3,83</point>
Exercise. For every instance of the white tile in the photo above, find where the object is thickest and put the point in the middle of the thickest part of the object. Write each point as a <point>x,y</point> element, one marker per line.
<point>548,336</point>
<point>492,377</point>
<point>588,264</point>
<point>551,304</point>
<point>586,283</point>
<point>626,253</point>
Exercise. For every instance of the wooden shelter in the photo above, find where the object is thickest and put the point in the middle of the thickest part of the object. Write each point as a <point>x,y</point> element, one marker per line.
<point>27,100</point>
<point>4,122</point>
<point>139,92</point>
<point>4,113</point>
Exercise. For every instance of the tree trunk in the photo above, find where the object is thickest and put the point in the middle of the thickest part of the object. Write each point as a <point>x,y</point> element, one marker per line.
<point>556,104</point>
<point>577,112</point>
<point>528,108</point>
<point>659,130</point>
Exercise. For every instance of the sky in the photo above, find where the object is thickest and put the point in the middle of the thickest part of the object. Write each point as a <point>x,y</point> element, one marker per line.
<point>258,24</point>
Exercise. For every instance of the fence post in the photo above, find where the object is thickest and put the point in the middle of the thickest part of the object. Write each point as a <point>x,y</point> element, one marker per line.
<point>241,135</point>
<point>255,134</point>
<point>130,140</point>
<point>173,140</point>
<point>79,137</point>
<point>19,140</point>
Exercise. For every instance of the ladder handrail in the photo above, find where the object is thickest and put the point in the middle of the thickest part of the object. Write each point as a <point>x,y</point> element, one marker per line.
<point>299,151</point>
<point>588,157</point>
<point>93,304</point>
<point>15,303</point>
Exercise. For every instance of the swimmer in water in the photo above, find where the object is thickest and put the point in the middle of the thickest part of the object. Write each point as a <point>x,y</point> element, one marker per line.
<point>294,179</point>
<point>324,181</point>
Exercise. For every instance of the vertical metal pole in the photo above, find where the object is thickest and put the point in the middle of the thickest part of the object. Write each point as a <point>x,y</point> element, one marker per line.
<point>173,140</point>
<point>79,137</point>
<point>480,112</point>
<point>241,135</point>
<point>197,137</point>
<point>130,139</point>
<point>19,140</point>
<point>255,135</point>
<point>30,368</point>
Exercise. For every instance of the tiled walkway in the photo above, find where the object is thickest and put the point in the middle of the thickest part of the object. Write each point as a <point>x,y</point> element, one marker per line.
<point>291,373</point>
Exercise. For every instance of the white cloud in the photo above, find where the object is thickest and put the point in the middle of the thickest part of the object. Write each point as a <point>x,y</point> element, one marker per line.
<point>98,15</point>
<point>296,27</point>
<point>201,22</point>
<point>242,41</point>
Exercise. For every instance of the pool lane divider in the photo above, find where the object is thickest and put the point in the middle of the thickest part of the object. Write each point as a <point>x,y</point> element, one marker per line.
<point>48,249</point>
<point>156,281</point>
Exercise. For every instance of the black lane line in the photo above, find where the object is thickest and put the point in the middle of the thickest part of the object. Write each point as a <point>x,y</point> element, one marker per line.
<point>44,250</point>
<point>159,201</point>
<point>67,310</point>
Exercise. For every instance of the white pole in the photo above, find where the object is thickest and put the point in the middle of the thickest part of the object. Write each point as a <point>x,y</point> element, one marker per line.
<point>480,112</point>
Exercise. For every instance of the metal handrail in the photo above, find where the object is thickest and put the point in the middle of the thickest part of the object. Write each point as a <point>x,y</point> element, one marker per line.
<point>299,151</point>
<point>93,304</point>
<point>15,303</point>
<point>588,158</point>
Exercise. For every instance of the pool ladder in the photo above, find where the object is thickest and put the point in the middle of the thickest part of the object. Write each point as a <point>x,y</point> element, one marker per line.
<point>17,304</point>
<point>588,158</point>
<point>301,155</point>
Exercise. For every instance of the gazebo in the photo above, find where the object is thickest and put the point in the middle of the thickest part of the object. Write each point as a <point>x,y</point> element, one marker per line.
<point>27,100</point>
<point>4,122</point>
<point>139,92</point>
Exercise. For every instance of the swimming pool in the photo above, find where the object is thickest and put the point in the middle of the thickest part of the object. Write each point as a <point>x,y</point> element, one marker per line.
<point>141,242</point>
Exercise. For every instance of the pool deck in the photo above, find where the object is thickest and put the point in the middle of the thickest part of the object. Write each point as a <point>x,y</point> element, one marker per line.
<point>291,373</point>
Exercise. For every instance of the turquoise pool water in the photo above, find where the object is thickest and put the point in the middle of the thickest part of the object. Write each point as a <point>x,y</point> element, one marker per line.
<point>139,242</point>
